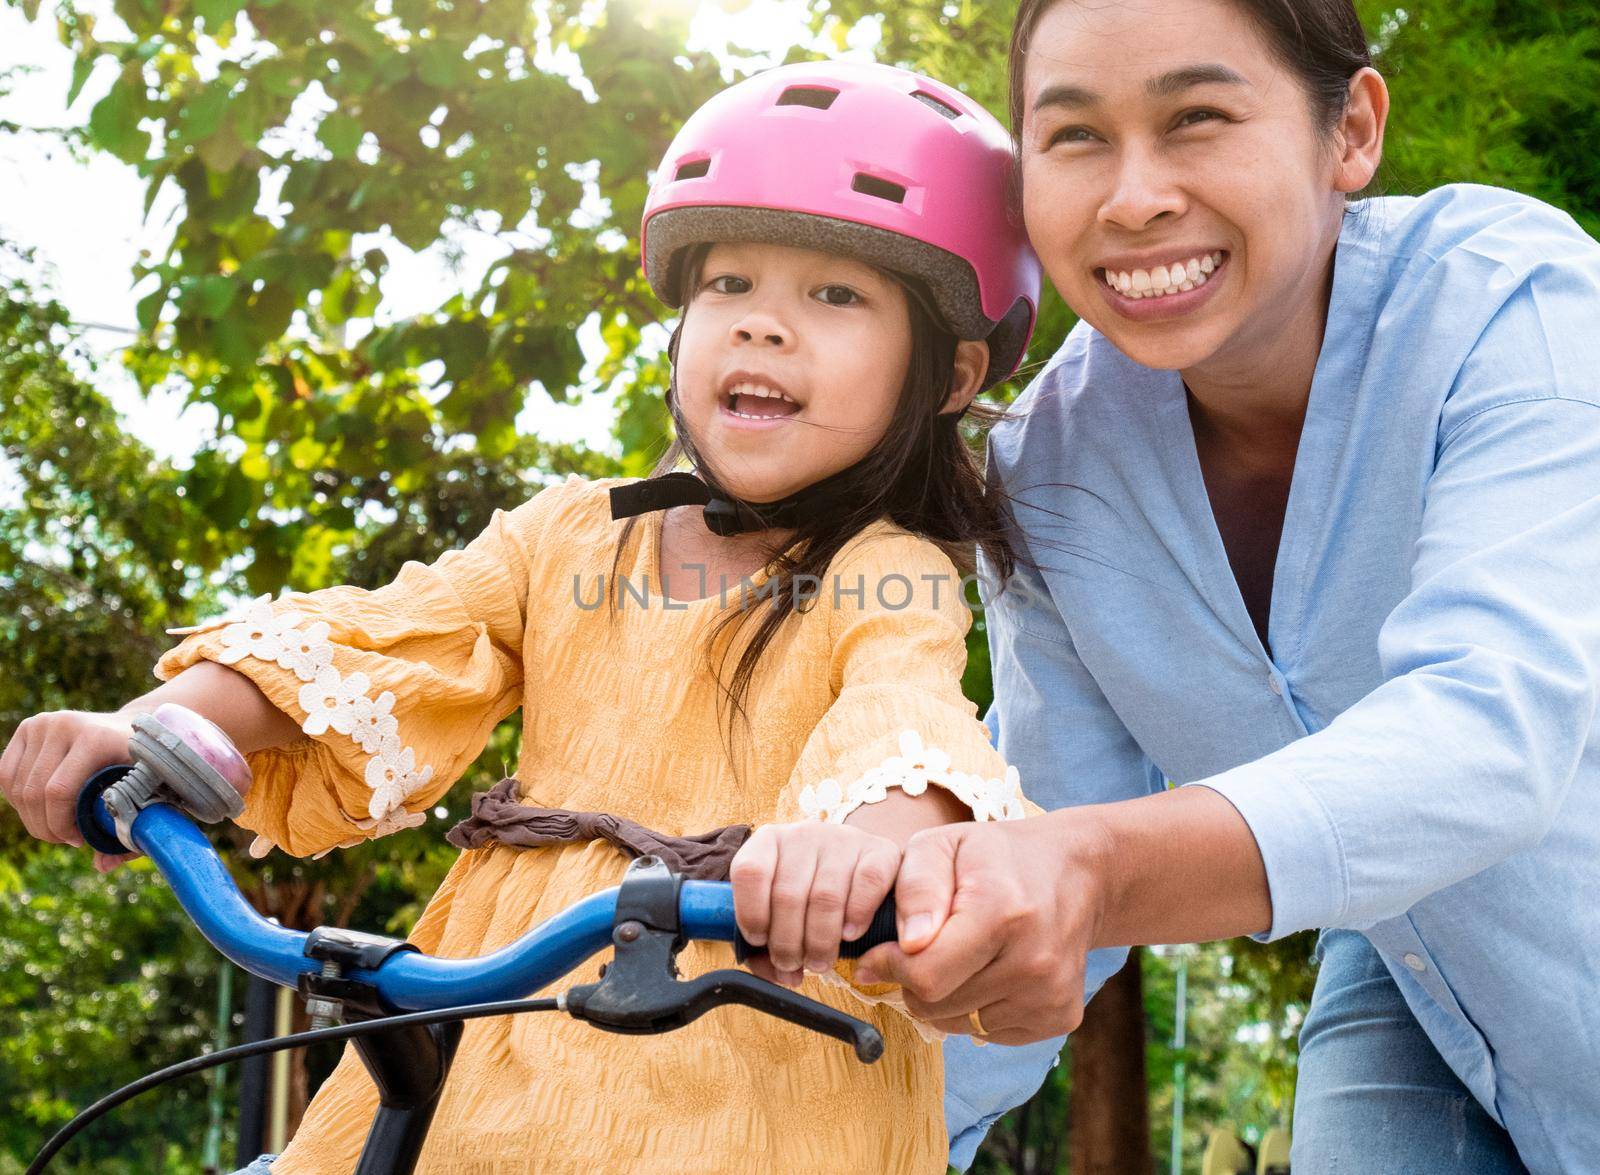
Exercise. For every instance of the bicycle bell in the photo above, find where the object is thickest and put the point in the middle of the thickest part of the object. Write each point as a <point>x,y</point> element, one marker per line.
<point>179,758</point>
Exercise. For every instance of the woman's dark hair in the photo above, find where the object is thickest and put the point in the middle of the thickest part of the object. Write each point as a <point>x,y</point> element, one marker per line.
<point>923,476</point>
<point>1321,41</point>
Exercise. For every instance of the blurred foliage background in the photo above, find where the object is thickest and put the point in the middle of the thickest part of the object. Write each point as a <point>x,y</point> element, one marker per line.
<point>303,143</point>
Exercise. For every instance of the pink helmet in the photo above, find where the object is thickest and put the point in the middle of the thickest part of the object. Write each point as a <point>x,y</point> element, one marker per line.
<point>869,161</point>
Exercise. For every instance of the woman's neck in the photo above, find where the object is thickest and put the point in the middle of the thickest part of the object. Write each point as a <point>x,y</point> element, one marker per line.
<point>1249,400</point>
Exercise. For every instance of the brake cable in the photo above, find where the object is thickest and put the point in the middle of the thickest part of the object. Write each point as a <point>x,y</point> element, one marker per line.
<point>255,1048</point>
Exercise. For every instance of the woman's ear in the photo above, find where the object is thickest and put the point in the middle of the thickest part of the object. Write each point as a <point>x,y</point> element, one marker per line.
<point>971,364</point>
<point>1359,134</point>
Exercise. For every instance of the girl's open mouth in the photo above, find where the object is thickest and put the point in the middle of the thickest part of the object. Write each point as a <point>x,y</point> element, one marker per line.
<point>754,402</point>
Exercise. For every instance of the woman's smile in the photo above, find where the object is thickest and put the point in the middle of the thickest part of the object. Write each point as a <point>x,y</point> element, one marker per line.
<point>1162,291</point>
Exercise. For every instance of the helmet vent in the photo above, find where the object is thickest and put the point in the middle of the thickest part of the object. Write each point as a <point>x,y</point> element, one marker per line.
<point>938,105</point>
<point>871,185</point>
<point>816,97</point>
<point>692,170</point>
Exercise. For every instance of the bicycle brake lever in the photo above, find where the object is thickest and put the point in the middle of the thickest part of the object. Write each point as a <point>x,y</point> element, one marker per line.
<point>639,992</point>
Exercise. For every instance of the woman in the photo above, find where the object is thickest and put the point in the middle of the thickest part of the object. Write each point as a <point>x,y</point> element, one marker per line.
<point>1314,496</point>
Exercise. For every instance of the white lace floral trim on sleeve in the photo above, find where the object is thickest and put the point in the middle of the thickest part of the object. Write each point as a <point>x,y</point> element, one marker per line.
<point>912,770</point>
<point>332,701</point>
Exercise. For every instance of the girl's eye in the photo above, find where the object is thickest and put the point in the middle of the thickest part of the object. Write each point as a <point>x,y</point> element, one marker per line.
<point>838,296</point>
<point>1196,117</point>
<point>729,284</point>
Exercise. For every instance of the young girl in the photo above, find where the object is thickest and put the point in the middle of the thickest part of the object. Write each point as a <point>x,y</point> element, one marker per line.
<point>837,238</point>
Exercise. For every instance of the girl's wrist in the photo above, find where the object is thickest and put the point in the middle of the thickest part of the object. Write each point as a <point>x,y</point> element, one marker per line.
<point>225,697</point>
<point>191,687</point>
<point>899,817</point>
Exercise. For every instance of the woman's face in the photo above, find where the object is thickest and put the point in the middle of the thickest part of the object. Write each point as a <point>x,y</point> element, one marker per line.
<point>1175,185</point>
<point>790,365</point>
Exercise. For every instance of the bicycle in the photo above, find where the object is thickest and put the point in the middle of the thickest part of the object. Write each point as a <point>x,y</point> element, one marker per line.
<point>404,1010</point>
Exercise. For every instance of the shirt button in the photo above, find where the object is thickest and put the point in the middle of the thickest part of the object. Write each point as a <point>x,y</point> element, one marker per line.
<point>1272,684</point>
<point>1415,962</point>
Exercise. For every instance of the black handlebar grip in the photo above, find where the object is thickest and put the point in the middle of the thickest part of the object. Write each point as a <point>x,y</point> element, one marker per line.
<point>880,930</point>
<point>88,826</point>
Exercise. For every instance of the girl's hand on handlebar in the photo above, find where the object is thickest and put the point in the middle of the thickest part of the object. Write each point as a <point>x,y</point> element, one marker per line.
<point>49,758</point>
<point>802,889</point>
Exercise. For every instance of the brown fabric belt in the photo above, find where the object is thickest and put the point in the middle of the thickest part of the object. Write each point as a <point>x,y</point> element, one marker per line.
<point>497,817</point>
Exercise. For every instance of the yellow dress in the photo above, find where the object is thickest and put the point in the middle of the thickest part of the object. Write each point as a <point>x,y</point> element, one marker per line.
<point>397,691</point>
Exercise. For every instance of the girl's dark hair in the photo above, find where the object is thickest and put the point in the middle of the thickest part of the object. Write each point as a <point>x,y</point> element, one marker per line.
<point>1321,41</point>
<point>923,476</point>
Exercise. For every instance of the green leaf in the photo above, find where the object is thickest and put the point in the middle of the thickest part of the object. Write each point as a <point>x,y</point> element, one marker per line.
<point>462,346</point>
<point>231,338</point>
<point>114,126</point>
<point>82,66</point>
<point>223,150</point>
<point>254,465</point>
<point>203,116</point>
<point>279,77</point>
<point>148,309</point>
<point>306,453</point>
<point>497,439</point>
<point>211,295</point>
<point>271,311</point>
<point>340,134</point>
<point>217,13</point>
<point>236,494</point>
<point>441,64</point>
<point>154,182</point>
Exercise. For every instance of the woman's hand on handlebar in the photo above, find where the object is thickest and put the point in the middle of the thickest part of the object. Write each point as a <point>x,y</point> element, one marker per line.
<point>801,889</point>
<point>47,761</point>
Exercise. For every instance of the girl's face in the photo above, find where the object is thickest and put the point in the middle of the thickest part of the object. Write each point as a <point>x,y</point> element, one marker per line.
<point>1174,183</point>
<point>790,365</point>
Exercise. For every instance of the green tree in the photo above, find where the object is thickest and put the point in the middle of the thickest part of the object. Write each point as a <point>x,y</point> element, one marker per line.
<point>345,447</point>
<point>101,979</point>
<point>1502,92</point>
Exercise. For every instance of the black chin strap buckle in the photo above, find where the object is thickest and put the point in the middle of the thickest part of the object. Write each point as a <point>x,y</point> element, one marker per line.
<point>640,992</point>
<point>724,518</point>
<point>658,493</point>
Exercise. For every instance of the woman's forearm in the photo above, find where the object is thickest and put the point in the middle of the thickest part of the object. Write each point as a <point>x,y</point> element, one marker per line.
<point>1180,866</point>
<point>229,699</point>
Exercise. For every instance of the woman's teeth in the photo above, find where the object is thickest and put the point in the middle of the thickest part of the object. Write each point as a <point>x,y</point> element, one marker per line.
<point>755,402</point>
<point>1175,278</point>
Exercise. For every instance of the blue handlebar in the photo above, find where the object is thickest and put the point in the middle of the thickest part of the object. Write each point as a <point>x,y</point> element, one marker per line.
<point>407,981</point>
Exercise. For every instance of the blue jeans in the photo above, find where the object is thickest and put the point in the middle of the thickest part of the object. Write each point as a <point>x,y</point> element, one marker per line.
<point>1373,1093</point>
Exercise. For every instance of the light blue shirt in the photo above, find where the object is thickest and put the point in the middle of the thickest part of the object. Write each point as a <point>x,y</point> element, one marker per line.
<point>1419,756</point>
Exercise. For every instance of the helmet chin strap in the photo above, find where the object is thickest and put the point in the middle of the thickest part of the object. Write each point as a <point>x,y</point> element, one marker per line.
<point>724,516</point>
